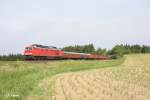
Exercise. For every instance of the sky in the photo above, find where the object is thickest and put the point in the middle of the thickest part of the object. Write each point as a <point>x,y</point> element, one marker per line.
<point>60,23</point>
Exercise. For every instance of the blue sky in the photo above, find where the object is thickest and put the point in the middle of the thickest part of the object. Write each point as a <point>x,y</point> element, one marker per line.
<point>68,22</point>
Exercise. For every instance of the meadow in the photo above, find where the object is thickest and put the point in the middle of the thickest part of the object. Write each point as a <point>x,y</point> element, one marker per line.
<point>18,79</point>
<point>121,79</point>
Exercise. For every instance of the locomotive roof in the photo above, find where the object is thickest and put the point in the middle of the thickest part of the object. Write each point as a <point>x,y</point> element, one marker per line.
<point>42,46</point>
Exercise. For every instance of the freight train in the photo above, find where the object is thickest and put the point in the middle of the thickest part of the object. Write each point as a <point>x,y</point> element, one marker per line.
<point>41,52</point>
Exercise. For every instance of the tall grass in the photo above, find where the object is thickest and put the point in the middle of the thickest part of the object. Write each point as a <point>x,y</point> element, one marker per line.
<point>19,78</point>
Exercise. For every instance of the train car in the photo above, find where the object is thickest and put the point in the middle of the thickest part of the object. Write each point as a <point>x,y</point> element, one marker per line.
<point>100,57</point>
<point>40,52</point>
<point>74,55</point>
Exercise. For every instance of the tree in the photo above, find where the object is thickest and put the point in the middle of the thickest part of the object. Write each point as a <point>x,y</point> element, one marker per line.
<point>80,48</point>
<point>127,49</point>
<point>100,51</point>
<point>89,48</point>
<point>145,49</point>
<point>118,51</point>
<point>136,48</point>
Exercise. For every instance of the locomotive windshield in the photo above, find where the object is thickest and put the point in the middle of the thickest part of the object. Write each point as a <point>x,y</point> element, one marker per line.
<point>28,48</point>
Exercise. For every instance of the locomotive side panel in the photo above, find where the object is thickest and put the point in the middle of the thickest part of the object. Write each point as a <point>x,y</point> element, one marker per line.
<point>42,52</point>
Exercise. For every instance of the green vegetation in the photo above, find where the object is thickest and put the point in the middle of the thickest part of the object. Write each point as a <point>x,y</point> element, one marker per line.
<point>116,52</point>
<point>80,48</point>
<point>120,50</point>
<point>11,57</point>
<point>19,78</point>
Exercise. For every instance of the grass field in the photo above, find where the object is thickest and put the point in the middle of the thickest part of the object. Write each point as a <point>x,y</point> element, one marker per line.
<point>126,78</point>
<point>19,78</point>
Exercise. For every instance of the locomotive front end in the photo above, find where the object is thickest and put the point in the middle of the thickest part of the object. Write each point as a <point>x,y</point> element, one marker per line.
<point>28,53</point>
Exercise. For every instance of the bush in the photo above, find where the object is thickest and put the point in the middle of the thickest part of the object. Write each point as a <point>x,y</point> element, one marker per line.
<point>11,57</point>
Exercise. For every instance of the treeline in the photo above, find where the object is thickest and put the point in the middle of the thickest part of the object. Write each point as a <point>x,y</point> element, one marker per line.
<point>80,48</point>
<point>85,49</point>
<point>120,50</point>
<point>116,52</point>
<point>12,57</point>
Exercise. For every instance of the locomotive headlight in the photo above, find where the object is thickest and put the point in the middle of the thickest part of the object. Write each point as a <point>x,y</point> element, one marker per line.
<point>28,53</point>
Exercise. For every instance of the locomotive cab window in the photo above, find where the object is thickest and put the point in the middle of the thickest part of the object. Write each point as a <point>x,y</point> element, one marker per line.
<point>28,48</point>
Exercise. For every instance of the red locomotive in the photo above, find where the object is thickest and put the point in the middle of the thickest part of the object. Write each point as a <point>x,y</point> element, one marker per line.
<point>40,52</point>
